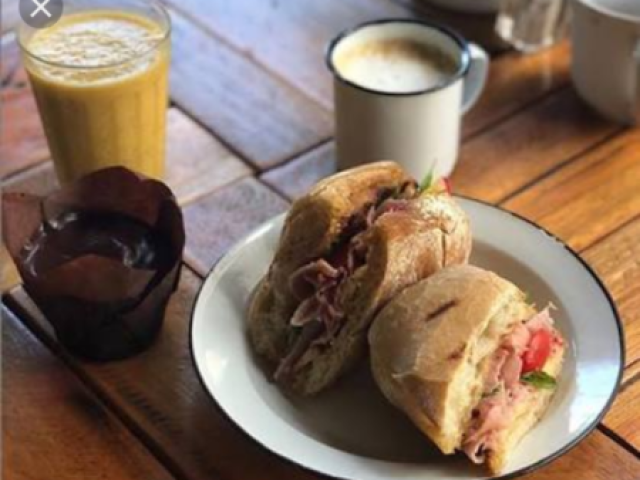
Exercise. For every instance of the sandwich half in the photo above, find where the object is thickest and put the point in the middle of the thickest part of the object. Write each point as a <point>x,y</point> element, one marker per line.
<point>469,360</point>
<point>347,247</point>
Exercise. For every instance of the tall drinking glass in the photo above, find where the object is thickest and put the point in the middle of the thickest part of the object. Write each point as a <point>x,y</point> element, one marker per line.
<point>100,78</point>
<point>530,25</point>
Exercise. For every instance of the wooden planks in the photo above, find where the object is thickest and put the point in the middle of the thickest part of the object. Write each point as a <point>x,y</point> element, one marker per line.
<point>623,418</point>
<point>516,152</point>
<point>287,37</point>
<point>219,220</point>
<point>295,178</point>
<point>22,139</point>
<point>516,82</point>
<point>159,393</point>
<point>590,197</point>
<point>197,163</point>
<point>53,427</point>
<point>631,373</point>
<point>9,15</point>
<point>263,118</point>
<point>616,259</point>
<point>595,458</point>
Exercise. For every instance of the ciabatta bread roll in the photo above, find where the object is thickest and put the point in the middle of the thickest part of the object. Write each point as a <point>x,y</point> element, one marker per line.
<point>347,247</point>
<point>469,360</point>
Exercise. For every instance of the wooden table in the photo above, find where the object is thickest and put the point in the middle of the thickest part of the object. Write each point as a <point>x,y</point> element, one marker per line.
<point>250,129</point>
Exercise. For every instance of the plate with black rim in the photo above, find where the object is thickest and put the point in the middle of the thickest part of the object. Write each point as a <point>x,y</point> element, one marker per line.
<point>350,431</point>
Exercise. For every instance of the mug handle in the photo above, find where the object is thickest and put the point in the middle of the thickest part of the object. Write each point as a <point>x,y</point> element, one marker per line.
<point>636,82</point>
<point>476,76</point>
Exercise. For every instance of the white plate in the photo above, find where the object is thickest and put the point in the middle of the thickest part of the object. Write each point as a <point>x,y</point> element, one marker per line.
<point>351,432</point>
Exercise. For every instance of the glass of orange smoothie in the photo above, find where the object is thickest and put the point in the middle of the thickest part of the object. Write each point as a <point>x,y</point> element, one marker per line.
<point>100,78</point>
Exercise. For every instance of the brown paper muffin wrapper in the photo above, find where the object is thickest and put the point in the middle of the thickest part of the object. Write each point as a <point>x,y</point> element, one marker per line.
<point>100,307</point>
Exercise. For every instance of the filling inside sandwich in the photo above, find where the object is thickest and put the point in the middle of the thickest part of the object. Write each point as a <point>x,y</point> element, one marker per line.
<point>319,316</point>
<point>515,371</point>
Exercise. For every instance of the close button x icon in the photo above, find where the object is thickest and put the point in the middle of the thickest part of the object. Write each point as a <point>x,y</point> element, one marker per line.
<point>40,13</point>
<point>40,7</point>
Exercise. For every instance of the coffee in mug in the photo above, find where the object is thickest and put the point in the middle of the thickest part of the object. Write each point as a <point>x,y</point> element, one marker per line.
<point>400,89</point>
<point>395,65</point>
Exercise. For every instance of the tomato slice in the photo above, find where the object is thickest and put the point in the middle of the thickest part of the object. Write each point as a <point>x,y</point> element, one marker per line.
<point>537,352</point>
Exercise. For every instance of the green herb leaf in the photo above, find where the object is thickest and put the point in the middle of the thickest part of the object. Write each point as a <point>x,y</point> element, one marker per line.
<point>426,181</point>
<point>540,380</point>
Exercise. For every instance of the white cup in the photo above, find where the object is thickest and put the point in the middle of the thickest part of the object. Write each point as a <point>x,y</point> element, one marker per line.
<point>606,56</point>
<point>420,129</point>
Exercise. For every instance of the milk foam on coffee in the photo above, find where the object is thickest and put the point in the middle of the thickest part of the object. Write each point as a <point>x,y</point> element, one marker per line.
<point>395,65</point>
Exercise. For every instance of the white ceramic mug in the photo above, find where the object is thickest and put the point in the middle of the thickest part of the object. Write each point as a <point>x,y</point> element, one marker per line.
<point>606,56</point>
<point>418,129</point>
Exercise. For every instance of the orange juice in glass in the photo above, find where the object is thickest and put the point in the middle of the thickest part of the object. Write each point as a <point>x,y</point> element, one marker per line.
<point>100,78</point>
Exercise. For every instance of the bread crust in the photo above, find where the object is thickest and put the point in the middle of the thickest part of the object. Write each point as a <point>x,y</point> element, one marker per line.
<point>402,250</point>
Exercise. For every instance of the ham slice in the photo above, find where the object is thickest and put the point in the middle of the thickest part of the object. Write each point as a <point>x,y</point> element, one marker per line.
<point>493,414</point>
<point>492,378</point>
<point>311,276</point>
<point>502,386</point>
<point>518,339</point>
<point>391,206</point>
<point>306,312</point>
<point>321,306</point>
<point>308,333</point>
<point>371,216</point>
<point>511,370</point>
<point>540,321</point>
<point>316,284</point>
